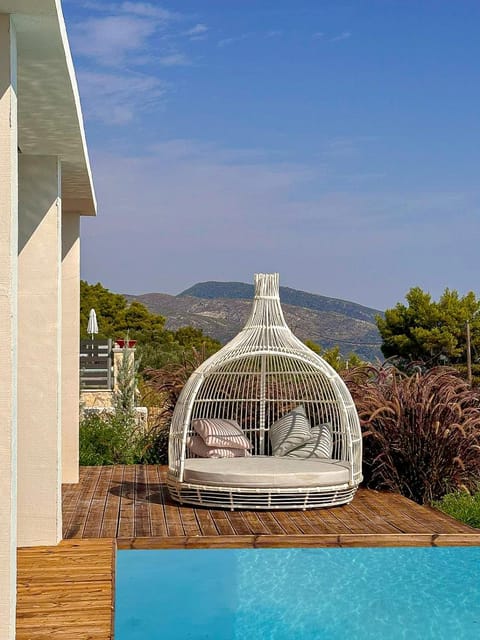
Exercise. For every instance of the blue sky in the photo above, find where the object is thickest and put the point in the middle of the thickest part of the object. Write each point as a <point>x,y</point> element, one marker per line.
<point>335,142</point>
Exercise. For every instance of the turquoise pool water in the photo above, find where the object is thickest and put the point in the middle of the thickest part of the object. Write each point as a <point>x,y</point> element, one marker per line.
<point>298,594</point>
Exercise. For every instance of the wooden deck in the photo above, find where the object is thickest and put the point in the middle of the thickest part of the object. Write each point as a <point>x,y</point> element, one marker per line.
<point>131,503</point>
<point>66,592</point>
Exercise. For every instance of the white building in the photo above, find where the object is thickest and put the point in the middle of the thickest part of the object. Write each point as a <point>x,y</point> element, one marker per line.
<point>45,186</point>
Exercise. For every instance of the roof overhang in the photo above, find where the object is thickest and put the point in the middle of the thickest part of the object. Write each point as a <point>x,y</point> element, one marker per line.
<point>49,113</point>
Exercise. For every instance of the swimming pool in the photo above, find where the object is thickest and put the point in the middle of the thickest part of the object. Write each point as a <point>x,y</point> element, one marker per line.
<point>298,594</point>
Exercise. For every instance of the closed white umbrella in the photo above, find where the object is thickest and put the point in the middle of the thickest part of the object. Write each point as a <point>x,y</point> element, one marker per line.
<point>92,323</point>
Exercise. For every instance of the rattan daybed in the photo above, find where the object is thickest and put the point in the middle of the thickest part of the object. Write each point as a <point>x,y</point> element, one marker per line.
<point>257,382</point>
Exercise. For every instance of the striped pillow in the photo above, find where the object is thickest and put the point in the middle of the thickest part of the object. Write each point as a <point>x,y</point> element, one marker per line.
<point>290,431</point>
<point>320,444</point>
<point>217,432</point>
<point>197,446</point>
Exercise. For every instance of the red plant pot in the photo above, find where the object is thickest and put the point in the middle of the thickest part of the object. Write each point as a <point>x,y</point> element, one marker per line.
<point>125,343</point>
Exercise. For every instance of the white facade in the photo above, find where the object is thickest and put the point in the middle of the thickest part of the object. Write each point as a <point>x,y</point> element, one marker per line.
<point>45,186</point>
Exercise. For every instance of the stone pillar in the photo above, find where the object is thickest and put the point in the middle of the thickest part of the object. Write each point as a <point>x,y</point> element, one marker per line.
<point>70,344</point>
<point>8,325</point>
<point>39,351</point>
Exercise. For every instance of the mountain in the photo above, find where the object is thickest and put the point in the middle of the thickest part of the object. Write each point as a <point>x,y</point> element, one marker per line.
<point>220,310</point>
<point>295,297</point>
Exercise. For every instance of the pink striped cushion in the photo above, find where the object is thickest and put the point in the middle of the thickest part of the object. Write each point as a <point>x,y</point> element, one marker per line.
<point>199,448</point>
<point>217,432</point>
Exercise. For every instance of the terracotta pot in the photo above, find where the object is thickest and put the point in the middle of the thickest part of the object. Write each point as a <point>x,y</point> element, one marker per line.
<point>125,343</point>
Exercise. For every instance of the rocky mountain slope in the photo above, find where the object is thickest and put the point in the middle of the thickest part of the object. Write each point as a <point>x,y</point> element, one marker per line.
<point>220,309</point>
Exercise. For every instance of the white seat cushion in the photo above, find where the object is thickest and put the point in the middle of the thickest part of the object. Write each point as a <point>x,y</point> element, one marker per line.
<point>266,471</point>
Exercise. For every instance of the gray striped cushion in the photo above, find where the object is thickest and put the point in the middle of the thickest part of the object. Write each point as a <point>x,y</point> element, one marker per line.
<point>290,431</point>
<point>199,448</point>
<point>217,432</point>
<point>320,444</point>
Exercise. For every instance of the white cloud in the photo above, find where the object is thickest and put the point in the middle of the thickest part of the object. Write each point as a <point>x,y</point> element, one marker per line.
<point>189,211</point>
<point>115,99</point>
<point>318,35</point>
<point>148,10</point>
<point>109,40</point>
<point>274,33</point>
<point>145,9</point>
<point>174,60</point>
<point>228,41</point>
<point>342,36</point>
<point>197,30</point>
<point>125,35</point>
<point>113,45</point>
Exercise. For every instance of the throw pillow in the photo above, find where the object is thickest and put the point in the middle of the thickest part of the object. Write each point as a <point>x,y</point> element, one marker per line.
<point>217,432</point>
<point>320,444</point>
<point>290,431</point>
<point>202,450</point>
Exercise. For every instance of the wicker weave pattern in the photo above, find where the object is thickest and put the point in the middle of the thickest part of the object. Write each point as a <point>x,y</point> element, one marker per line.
<point>258,377</point>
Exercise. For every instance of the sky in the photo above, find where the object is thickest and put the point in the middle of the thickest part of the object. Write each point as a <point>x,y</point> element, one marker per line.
<point>337,143</point>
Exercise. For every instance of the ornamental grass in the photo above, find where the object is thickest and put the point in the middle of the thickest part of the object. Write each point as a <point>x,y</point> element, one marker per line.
<point>421,432</point>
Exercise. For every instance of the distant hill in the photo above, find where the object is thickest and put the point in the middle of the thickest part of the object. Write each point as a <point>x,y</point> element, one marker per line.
<point>295,297</point>
<point>220,309</point>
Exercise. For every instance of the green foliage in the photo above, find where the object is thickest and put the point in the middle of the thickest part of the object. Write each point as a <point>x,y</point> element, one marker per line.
<point>112,438</point>
<point>117,318</point>
<point>463,506</point>
<point>108,307</point>
<point>421,433</point>
<point>168,381</point>
<point>126,384</point>
<point>334,357</point>
<point>430,332</point>
<point>176,347</point>
<point>155,445</point>
<point>108,439</point>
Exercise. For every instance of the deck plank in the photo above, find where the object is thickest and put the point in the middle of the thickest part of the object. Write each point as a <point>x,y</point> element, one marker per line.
<point>111,515</point>
<point>94,521</point>
<point>139,512</point>
<point>126,522</point>
<point>87,485</point>
<point>66,592</point>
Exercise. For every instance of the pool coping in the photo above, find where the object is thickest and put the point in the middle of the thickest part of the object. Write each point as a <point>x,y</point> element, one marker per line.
<point>305,540</point>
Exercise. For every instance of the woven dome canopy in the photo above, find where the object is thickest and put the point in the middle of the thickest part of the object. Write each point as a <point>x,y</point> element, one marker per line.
<point>261,375</point>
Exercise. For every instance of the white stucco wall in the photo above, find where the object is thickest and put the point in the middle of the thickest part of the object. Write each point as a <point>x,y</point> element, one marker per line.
<point>40,132</point>
<point>39,351</point>
<point>70,344</point>
<point>8,326</point>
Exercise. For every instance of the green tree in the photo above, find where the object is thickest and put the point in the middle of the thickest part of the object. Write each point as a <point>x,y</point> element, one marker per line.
<point>118,318</point>
<point>334,357</point>
<point>430,332</point>
<point>108,307</point>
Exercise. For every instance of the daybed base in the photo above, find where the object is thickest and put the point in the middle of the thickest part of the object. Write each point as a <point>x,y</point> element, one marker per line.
<point>258,499</point>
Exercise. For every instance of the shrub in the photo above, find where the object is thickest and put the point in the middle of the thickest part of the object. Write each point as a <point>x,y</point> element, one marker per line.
<point>126,383</point>
<point>462,506</point>
<point>108,439</point>
<point>155,445</point>
<point>168,381</point>
<point>421,432</point>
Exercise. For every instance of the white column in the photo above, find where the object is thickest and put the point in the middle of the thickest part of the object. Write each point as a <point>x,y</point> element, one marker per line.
<point>39,351</point>
<point>70,344</point>
<point>8,325</point>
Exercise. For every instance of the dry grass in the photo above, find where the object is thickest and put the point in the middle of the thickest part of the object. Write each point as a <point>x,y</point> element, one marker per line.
<point>421,432</point>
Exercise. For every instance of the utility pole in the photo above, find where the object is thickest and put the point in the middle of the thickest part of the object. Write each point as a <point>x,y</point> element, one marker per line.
<point>469,355</point>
